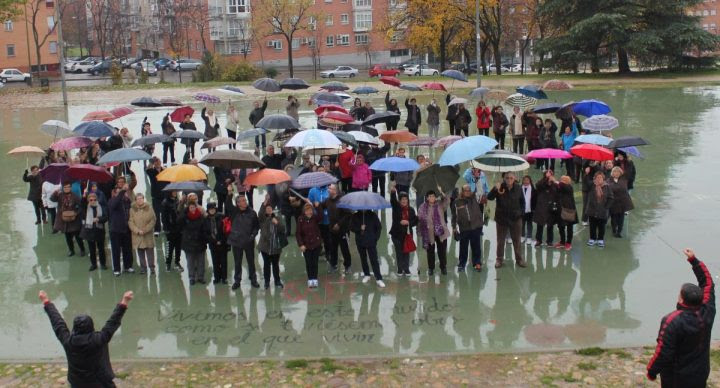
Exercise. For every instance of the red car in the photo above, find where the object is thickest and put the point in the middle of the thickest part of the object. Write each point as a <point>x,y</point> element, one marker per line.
<point>383,71</point>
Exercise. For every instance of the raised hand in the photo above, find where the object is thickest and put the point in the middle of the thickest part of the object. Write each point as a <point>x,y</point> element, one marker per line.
<point>43,297</point>
<point>127,297</point>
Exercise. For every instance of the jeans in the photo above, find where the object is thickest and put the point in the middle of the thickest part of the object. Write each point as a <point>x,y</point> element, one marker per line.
<point>616,222</point>
<point>120,243</point>
<point>69,240</point>
<point>221,197</point>
<point>338,241</point>
<point>157,208</point>
<point>378,182</point>
<point>249,252</point>
<point>257,141</point>
<point>539,233</point>
<point>196,265</point>
<point>52,212</point>
<point>403,259</point>
<point>473,239</point>
<point>518,145</point>
<point>146,257</point>
<point>372,254</point>
<point>500,137</point>
<point>566,233</point>
<point>169,148</point>
<point>514,229</point>
<point>441,246</point>
<point>311,262</point>
<point>433,128</point>
<point>597,228</point>
<point>527,225</point>
<point>97,250</point>
<point>219,255</point>
<point>39,211</point>
<point>173,241</point>
<point>271,262</point>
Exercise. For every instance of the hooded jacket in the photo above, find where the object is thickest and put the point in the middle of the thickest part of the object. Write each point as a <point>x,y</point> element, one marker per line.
<point>467,214</point>
<point>257,113</point>
<point>270,233</point>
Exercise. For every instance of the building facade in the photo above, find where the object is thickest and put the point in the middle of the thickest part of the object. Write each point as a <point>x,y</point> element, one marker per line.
<point>708,12</point>
<point>18,45</point>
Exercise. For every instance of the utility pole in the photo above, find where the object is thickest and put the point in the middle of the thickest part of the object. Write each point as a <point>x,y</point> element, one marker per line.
<point>478,67</point>
<point>61,51</point>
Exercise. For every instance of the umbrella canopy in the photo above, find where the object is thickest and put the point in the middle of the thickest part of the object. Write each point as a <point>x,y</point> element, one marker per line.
<point>266,85</point>
<point>398,136</point>
<point>231,90</point>
<point>251,133</point>
<point>592,152</point>
<point>313,138</point>
<point>365,90</point>
<point>457,100</point>
<point>313,179</point>
<point>454,74</point>
<point>71,143</point>
<point>327,98</point>
<point>434,86</point>
<point>423,141</point>
<point>346,138</point>
<point>599,123</point>
<point>186,186</point>
<point>549,153</point>
<point>189,134</point>
<point>94,129</point>
<point>363,137</point>
<point>26,151</point>
<point>392,81</point>
<point>170,101</point>
<point>54,172</point>
<point>323,151</point>
<point>436,177</point>
<point>285,134</point>
<point>380,117</point>
<point>634,151</point>
<point>336,118</point>
<point>410,87</point>
<point>466,149</point>
<point>533,91</point>
<point>178,115</point>
<point>589,108</point>
<point>124,155</point>
<point>152,138</point>
<point>363,200</point>
<point>277,121</point>
<point>520,100</point>
<point>556,84</point>
<point>446,141</point>
<point>497,94</point>
<point>232,159</point>
<point>182,173</point>
<point>122,111</point>
<point>593,139</point>
<point>479,92</point>
<point>266,176</point>
<point>342,95</point>
<point>88,172</point>
<point>500,161</point>
<point>628,141</point>
<point>146,102</point>
<point>218,141</point>
<point>329,108</point>
<point>294,84</point>
<point>395,164</point>
<point>550,107</point>
<point>207,98</point>
<point>99,115</point>
<point>56,128</point>
<point>358,126</point>
<point>334,86</point>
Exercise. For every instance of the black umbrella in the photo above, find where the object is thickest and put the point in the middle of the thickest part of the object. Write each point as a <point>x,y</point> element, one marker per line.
<point>232,159</point>
<point>186,186</point>
<point>380,117</point>
<point>189,134</point>
<point>285,135</point>
<point>334,86</point>
<point>266,85</point>
<point>358,126</point>
<point>346,138</point>
<point>277,121</point>
<point>327,98</point>
<point>436,178</point>
<point>551,107</point>
<point>152,138</point>
<point>294,84</point>
<point>410,87</point>
<point>628,141</point>
<point>147,102</point>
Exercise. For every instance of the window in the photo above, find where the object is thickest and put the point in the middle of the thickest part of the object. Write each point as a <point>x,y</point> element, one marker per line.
<point>328,1</point>
<point>312,23</point>
<point>237,6</point>
<point>236,28</point>
<point>276,44</point>
<point>49,3</point>
<point>343,1</point>
<point>296,43</point>
<point>363,21</point>
<point>51,22</point>
<point>9,25</point>
<point>363,3</point>
<point>310,42</point>
<point>361,39</point>
<point>344,19</point>
<point>713,12</point>
<point>706,13</point>
<point>399,53</point>
<point>396,37</point>
<point>328,20</point>
<point>11,50</point>
<point>343,40</point>
<point>329,41</point>
<point>52,46</point>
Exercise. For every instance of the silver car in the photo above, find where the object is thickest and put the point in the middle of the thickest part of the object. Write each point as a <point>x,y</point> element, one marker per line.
<point>340,72</point>
<point>185,64</point>
<point>146,66</point>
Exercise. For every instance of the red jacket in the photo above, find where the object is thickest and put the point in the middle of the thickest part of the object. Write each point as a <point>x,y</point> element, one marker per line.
<point>483,115</point>
<point>344,160</point>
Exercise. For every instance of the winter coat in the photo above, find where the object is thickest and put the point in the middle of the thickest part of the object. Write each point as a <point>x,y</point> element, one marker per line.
<point>359,113</point>
<point>221,175</point>
<point>621,197</point>
<point>452,109</point>
<point>569,140</point>
<point>599,207</point>
<point>291,109</point>
<point>345,159</point>
<point>510,203</point>
<point>119,207</point>
<point>499,122</point>
<point>273,161</point>
<point>67,202</point>
<point>369,237</point>
<point>212,127</point>
<point>533,198</point>
<point>142,225</point>
<point>547,208</point>
<point>566,200</point>
<point>156,186</point>
<point>392,108</point>
<point>398,231</point>
<point>473,182</point>
<point>516,132</point>
<point>336,215</point>
<point>463,119</point>
<point>47,191</point>
<point>587,179</point>
<point>257,113</point>
<point>484,117</point>
<point>269,234</point>
<point>35,190</point>
<point>547,137</point>
<point>215,230</point>
<point>308,231</point>
<point>189,126</point>
<point>433,117</point>
<point>245,225</point>
<point>425,214</point>
<point>467,214</point>
<point>414,118</point>
<point>168,129</point>
<point>95,231</point>
<point>194,232</point>
<point>88,358</point>
<point>361,176</point>
<point>232,122</point>
<point>628,172</point>
<point>170,216</point>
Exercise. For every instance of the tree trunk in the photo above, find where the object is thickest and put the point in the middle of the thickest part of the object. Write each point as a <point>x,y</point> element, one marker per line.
<point>443,49</point>
<point>595,63</point>
<point>498,56</point>
<point>290,56</point>
<point>483,55</point>
<point>37,52</point>
<point>540,63</point>
<point>522,57</point>
<point>623,62</point>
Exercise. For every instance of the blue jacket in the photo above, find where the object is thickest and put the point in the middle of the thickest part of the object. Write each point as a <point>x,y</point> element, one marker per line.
<point>320,194</point>
<point>470,179</point>
<point>119,213</point>
<point>569,140</point>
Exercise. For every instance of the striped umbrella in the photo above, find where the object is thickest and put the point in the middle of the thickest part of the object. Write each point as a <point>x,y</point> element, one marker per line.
<point>122,111</point>
<point>313,179</point>
<point>556,84</point>
<point>520,100</point>
<point>500,161</point>
<point>600,123</point>
<point>207,98</point>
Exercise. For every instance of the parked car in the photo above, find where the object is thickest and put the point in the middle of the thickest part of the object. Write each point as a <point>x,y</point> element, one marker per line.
<point>184,64</point>
<point>101,67</point>
<point>8,75</point>
<point>147,66</point>
<point>518,67</point>
<point>465,68</point>
<point>340,71</point>
<point>383,71</point>
<point>411,62</point>
<point>162,63</point>
<point>83,66</point>
<point>419,70</point>
<point>503,69</point>
<point>69,64</point>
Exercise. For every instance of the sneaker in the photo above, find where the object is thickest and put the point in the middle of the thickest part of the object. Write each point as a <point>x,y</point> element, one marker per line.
<point>431,272</point>
<point>365,279</point>
<point>92,268</point>
<point>523,239</point>
<point>498,263</point>
<point>156,234</point>
<point>584,223</point>
<point>559,246</point>
<point>331,270</point>
<point>267,285</point>
<point>116,273</point>
<point>568,247</point>
<point>443,271</point>
<point>529,241</point>
<point>538,244</point>
<point>601,243</point>
<point>235,286</point>
<point>179,268</point>
<point>279,284</point>
<point>591,243</point>
<point>310,284</point>
<point>316,283</point>
<point>168,267</point>
<point>399,274</point>
<point>380,284</point>
<point>130,270</point>
<point>255,284</point>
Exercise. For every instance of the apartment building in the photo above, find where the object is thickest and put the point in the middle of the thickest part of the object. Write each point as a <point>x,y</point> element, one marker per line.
<point>17,43</point>
<point>708,12</point>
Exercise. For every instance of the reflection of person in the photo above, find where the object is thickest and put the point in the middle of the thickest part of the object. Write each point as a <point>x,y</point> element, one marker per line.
<point>682,355</point>
<point>86,349</point>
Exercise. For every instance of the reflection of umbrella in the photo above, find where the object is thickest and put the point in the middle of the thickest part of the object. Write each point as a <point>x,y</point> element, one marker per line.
<point>231,90</point>
<point>592,152</point>
<point>266,85</point>
<point>457,100</point>
<point>454,74</point>
<point>544,334</point>
<point>56,128</point>
<point>186,186</point>
<point>122,111</point>
<point>334,86</point>
<point>434,86</point>
<point>380,117</point>
<point>423,141</point>
<point>395,164</point>
<point>88,172</point>
<point>500,161</point>
<point>182,173</point>
<point>313,179</point>
<point>556,84</point>
<point>178,115</point>
<point>346,138</point>
<point>94,129</point>
<point>232,159</point>
<point>365,90</point>
<point>206,98</point>
<point>550,107</point>
<point>628,141</point>
<point>479,92</point>
<point>124,155</point>
<point>71,143</point>
<point>618,319</point>
<point>632,151</point>
<point>392,81</point>
<point>313,138</point>
<point>363,137</point>
<point>26,151</point>
<point>266,176</point>
<point>250,133</point>
<point>600,123</point>
<point>532,91</point>
<point>146,102</point>
<point>277,121</point>
<point>152,138</point>
<point>520,101</point>
<point>285,134</point>
<point>435,176</point>
<point>363,200</point>
<point>218,141</point>
<point>329,108</point>
<point>100,115</point>
<point>189,134</point>
<point>398,136</point>
<point>410,87</point>
<point>170,101</point>
<point>358,126</point>
<point>327,98</point>
<point>497,94</point>
<point>294,84</point>
<point>585,333</point>
<point>549,153</point>
<point>466,149</point>
<point>336,118</point>
<point>447,140</point>
<point>53,173</point>
<point>589,108</point>
<point>594,139</point>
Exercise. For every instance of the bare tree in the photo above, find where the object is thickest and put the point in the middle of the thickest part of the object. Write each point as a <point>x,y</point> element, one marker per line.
<point>37,23</point>
<point>286,18</point>
<point>102,15</point>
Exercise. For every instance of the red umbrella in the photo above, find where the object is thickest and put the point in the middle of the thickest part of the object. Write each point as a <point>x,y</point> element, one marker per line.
<point>329,108</point>
<point>434,86</point>
<point>392,81</point>
<point>178,115</point>
<point>99,115</point>
<point>592,152</point>
<point>88,172</point>
<point>122,111</point>
<point>266,176</point>
<point>335,117</point>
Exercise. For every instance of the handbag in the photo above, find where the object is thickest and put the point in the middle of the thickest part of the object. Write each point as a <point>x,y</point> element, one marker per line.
<point>68,215</point>
<point>409,244</point>
<point>227,225</point>
<point>568,215</point>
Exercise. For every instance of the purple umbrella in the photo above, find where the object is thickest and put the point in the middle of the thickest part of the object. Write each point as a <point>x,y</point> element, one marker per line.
<point>54,172</point>
<point>207,98</point>
<point>71,143</point>
<point>313,179</point>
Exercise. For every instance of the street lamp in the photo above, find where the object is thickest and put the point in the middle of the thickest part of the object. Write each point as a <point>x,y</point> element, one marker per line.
<point>478,71</point>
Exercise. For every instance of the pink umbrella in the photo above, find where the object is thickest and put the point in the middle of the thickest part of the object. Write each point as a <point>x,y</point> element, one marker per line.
<point>434,86</point>
<point>329,108</point>
<point>446,141</point>
<point>71,143</point>
<point>99,115</point>
<point>335,117</point>
<point>122,111</point>
<point>549,153</point>
<point>88,172</point>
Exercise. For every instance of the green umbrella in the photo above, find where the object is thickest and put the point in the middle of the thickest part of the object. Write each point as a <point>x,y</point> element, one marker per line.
<point>436,178</point>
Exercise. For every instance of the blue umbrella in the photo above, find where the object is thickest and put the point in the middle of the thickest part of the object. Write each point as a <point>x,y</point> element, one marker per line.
<point>632,150</point>
<point>466,149</point>
<point>395,164</point>
<point>251,133</point>
<point>313,179</point>
<point>551,107</point>
<point>532,91</point>
<point>479,92</point>
<point>594,139</point>
<point>363,200</point>
<point>94,129</point>
<point>124,155</point>
<point>589,108</point>
<point>231,89</point>
<point>454,74</point>
<point>410,87</point>
<point>365,90</point>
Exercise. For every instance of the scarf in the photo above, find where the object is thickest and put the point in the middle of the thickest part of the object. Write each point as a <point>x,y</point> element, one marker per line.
<point>192,216</point>
<point>92,213</point>
<point>599,192</point>
<point>436,220</point>
<point>406,213</point>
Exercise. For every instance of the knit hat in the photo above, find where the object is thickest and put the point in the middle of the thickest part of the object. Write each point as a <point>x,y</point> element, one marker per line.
<point>211,205</point>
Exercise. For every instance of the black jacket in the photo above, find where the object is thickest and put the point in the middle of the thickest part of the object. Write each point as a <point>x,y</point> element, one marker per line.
<point>599,207</point>
<point>546,200</point>
<point>93,232</point>
<point>119,212</point>
<point>35,191</point>
<point>414,117</point>
<point>336,215</point>
<point>463,118</point>
<point>86,350</point>
<point>274,161</point>
<point>509,204</point>
<point>398,231</point>
<point>170,216</point>
<point>682,354</point>
<point>222,174</point>
<point>258,113</point>
<point>156,186</point>
<point>211,131</point>
<point>370,236</point>
<point>452,109</point>
<point>215,230</point>
<point>245,224</point>
<point>566,200</point>
<point>195,233</point>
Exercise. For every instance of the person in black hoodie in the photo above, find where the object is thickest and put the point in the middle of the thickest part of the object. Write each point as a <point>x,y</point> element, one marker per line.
<point>169,146</point>
<point>414,117</point>
<point>223,177</point>
<point>391,105</point>
<point>189,125</point>
<point>378,177</point>
<point>451,114</point>
<point>120,243</point>
<point>218,244</point>
<point>367,228</point>
<point>195,233</point>
<point>173,231</point>
<point>256,115</point>
<point>35,193</point>
<point>86,350</point>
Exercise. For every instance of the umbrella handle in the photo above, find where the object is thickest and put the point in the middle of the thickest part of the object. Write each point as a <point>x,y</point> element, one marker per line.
<point>296,193</point>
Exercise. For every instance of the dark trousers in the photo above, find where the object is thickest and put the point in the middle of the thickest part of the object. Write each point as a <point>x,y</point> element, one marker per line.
<point>221,197</point>
<point>616,222</point>
<point>391,125</point>
<point>219,255</point>
<point>378,182</point>
<point>585,202</point>
<point>484,131</point>
<point>403,259</point>
<point>345,183</point>
<point>462,131</point>
<point>232,135</point>
<point>325,235</point>
<point>52,212</point>
<point>473,238</point>
<point>539,233</point>
<point>338,241</point>
<point>168,148</point>
<point>311,262</point>
<point>191,148</point>
<point>249,252</point>
<point>514,229</point>
<point>97,250</point>
<point>402,189</point>
<point>566,233</point>
<point>518,145</point>
<point>451,124</point>
<point>157,208</point>
<point>570,168</point>
<point>121,244</point>
<point>249,195</point>
<point>548,164</point>
<point>414,131</point>
<point>288,221</point>
<point>271,262</point>
<point>597,228</point>
<point>372,254</point>
<point>257,141</point>
<point>173,241</point>
<point>500,138</point>
<point>69,236</point>
<point>39,211</point>
<point>441,246</point>
<point>527,225</point>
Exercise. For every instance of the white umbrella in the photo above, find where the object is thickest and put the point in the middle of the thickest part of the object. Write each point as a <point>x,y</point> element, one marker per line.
<point>313,138</point>
<point>600,123</point>
<point>56,128</point>
<point>363,137</point>
<point>520,101</point>
<point>457,100</point>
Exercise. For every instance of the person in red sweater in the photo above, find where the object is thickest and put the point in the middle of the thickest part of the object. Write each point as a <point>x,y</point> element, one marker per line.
<point>346,168</point>
<point>483,118</point>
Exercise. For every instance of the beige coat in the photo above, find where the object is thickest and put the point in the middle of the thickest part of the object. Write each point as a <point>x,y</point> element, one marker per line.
<point>142,221</point>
